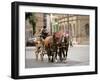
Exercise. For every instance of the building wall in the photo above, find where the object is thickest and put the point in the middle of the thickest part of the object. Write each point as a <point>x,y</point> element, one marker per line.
<point>48,21</point>
<point>82,28</point>
<point>39,22</point>
<point>75,24</point>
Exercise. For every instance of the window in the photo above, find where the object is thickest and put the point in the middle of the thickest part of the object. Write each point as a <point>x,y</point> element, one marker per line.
<point>87,29</point>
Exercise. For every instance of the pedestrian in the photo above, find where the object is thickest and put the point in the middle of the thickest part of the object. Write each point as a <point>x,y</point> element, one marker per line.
<point>71,43</point>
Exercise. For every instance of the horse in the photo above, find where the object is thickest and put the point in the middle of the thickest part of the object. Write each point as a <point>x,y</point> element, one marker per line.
<point>39,49</point>
<point>62,45</point>
<point>43,46</point>
<point>65,45</point>
<point>54,47</point>
<point>47,44</point>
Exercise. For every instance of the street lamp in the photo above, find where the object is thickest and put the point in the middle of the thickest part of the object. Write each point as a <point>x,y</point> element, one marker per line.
<point>51,23</point>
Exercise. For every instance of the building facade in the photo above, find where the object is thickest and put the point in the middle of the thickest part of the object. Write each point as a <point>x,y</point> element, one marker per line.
<point>40,22</point>
<point>76,25</point>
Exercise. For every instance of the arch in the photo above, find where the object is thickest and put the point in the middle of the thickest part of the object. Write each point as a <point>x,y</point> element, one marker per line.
<point>87,29</point>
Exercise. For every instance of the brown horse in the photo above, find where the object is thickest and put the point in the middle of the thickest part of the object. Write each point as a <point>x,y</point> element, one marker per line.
<point>53,46</point>
<point>62,44</point>
<point>39,43</point>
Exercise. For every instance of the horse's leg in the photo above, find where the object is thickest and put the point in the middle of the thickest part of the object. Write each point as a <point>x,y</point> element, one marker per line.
<point>36,53</point>
<point>41,55</point>
<point>66,51</point>
<point>52,56</point>
<point>63,53</point>
<point>49,59</point>
<point>55,56</point>
<point>52,60</point>
<point>48,53</point>
<point>60,54</point>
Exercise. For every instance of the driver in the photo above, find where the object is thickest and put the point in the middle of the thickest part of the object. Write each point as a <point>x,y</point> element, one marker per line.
<point>44,32</point>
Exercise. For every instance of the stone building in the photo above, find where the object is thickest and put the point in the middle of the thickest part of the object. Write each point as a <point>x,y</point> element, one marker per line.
<point>39,22</point>
<point>76,25</point>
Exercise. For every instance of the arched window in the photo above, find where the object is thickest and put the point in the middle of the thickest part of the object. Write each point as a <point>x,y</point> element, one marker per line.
<point>74,30</point>
<point>87,29</point>
<point>62,27</point>
<point>70,29</point>
<point>66,27</point>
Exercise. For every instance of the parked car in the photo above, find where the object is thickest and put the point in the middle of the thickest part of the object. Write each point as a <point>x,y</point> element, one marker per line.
<point>31,42</point>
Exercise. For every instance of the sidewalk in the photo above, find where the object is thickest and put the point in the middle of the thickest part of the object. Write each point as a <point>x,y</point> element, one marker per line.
<point>80,45</point>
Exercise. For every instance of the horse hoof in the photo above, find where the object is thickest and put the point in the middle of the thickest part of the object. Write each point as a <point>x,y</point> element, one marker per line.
<point>36,59</point>
<point>65,61</point>
<point>42,60</point>
<point>52,61</point>
<point>56,61</point>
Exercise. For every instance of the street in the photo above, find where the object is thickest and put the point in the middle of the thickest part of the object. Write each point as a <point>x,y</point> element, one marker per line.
<point>77,55</point>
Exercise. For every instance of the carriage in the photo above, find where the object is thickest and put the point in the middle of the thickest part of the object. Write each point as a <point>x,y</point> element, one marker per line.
<point>54,46</point>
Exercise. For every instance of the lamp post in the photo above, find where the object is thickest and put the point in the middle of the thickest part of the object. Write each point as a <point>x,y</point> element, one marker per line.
<point>68,22</point>
<point>51,24</point>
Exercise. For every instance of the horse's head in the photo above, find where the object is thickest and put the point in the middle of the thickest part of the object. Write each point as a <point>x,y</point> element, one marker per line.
<point>60,35</point>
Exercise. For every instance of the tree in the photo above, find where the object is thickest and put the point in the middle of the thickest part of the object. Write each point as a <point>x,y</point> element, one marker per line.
<point>32,20</point>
